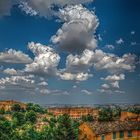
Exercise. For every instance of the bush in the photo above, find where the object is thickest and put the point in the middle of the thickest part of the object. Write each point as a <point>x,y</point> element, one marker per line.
<point>31,116</point>
<point>18,118</point>
<point>16,107</point>
<point>105,114</point>
<point>87,118</point>
<point>2,111</point>
<point>35,108</point>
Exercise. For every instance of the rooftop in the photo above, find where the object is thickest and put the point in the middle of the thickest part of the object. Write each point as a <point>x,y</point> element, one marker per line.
<point>114,126</point>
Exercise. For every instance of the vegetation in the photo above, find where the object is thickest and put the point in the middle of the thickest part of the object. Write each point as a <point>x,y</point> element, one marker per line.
<point>105,114</point>
<point>22,125</point>
<point>87,118</point>
<point>135,110</point>
<point>33,122</point>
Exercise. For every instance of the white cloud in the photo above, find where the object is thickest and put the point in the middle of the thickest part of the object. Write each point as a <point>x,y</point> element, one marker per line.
<point>80,62</point>
<point>77,33</point>
<point>113,63</point>
<point>112,83</point>
<point>45,62</point>
<point>120,41</point>
<point>27,84</point>
<point>10,71</point>
<point>115,77</point>
<point>86,92</point>
<point>36,7</point>
<point>17,82</point>
<point>74,76</point>
<point>99,60</point>
<point>77,66</point>
<point>108,91</point>
<point>105,86</point>
<point>115,84</point>
<point>27,9</point>
<point>44,8</point>
<point>99,37</point>
<point>44,83</point>
<point>110,47</point>
<point>13,56</point>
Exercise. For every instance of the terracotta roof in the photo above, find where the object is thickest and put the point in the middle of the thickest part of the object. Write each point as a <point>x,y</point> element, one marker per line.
<point>107,127</point>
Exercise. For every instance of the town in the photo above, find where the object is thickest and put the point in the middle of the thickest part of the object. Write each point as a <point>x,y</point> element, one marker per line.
<point>34,122</point>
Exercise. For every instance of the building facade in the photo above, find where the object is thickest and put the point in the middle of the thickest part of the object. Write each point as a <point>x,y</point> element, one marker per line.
<point>118,130</point>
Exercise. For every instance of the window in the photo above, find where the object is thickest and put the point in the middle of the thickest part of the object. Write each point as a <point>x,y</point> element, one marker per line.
<point>114,136</point>
<point>129,133</point>
<point>121,134</point>
<point>103,137</point>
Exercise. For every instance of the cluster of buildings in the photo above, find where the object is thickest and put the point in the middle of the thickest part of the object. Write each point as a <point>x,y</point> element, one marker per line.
<point>127,127</point>
<point>75,112</point>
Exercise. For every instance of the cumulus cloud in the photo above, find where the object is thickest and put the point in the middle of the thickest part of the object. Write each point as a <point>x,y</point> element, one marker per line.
<point>27,9</point>
<point>17,82</point>
<point>113,63</point>
<point>78,66</point>
<point>10,71</point>
<point>42,8</point>
<point>99,60</point>
<point>25,84</point>
<point>13,56</point>
<point>80,62</point>
<point>45,8</point>
<point>75,76</point>
<point>77,32</point>
<point>45,62</point>
<point>115,77</point>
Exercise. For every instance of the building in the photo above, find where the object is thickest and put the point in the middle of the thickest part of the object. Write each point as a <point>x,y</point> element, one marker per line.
<point>115,130</point>
<point>74,112</point>
<point>129,116</point>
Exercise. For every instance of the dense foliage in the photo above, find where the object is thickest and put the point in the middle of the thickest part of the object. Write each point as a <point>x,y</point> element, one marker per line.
<point>87,118</point>
<point>22,125</point>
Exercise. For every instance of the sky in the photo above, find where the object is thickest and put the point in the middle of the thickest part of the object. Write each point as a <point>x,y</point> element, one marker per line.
<point>70,52</point>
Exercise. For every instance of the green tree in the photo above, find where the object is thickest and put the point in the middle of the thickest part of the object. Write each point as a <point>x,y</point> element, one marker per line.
<point>87,118</point>
<point>105,114</point>
<point>65,129</point>
<point>31,116</point>
<point>16,107</point>
<point>18,118</point>
<point>2,111</point>
<point>35,107</point>
<point>5,129</point>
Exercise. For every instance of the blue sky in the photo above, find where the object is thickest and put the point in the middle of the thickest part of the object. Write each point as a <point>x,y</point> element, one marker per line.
<point>94,60</point>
